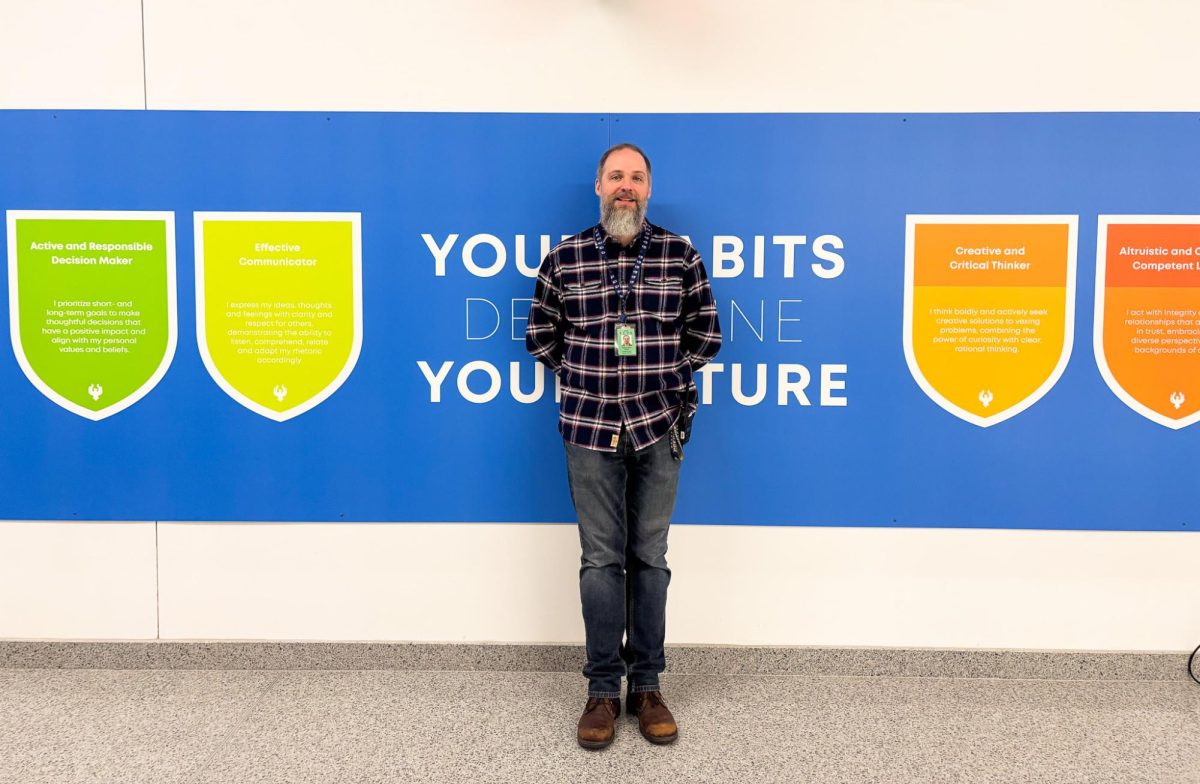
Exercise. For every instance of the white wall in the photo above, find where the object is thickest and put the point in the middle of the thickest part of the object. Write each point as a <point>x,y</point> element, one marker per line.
<point>71,54</point>
<point>786,586</point>
<point>673,55</point>
<point>730,584</point>
<point>78,580</point>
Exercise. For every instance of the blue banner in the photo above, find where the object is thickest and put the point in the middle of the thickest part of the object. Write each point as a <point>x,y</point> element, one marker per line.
<point>811,229</point>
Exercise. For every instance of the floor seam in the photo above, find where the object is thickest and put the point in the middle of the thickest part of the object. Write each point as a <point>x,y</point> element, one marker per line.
<point>219,741</point>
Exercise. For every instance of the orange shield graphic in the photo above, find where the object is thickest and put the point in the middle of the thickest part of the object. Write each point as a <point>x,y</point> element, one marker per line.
<point>1147,326</point>
<point>989,305</point>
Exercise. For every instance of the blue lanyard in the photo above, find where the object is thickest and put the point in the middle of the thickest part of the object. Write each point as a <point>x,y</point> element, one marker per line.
<point>622,293</point>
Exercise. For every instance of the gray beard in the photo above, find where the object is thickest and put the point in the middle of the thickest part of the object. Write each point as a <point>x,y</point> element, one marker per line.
<point>621,222</point>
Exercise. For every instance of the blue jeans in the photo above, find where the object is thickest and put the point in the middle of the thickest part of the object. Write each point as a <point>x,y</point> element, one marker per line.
<point>624,501</point>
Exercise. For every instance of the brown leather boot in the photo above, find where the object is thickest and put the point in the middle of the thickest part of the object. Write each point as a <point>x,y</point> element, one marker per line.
<point>596,728</point>
<point>655,721</point>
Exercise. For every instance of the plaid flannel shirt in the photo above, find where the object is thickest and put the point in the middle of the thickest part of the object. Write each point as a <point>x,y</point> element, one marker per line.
<point>571,330</point>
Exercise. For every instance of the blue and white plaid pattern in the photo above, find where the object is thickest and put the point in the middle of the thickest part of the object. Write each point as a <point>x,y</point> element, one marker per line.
<point>571,330</point>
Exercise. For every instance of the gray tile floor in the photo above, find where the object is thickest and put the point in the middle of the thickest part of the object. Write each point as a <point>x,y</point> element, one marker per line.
<point>246,726</point>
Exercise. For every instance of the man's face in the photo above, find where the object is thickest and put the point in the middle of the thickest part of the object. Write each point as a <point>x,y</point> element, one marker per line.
<point>624,184</point>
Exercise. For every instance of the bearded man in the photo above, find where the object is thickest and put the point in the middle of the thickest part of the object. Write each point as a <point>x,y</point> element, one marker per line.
<point>624,314</point>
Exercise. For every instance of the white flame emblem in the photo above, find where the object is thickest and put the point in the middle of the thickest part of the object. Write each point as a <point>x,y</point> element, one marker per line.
<point>1177,399</point>
<point>280,392</point>
<point>985,397</point>
<point>95,390</point>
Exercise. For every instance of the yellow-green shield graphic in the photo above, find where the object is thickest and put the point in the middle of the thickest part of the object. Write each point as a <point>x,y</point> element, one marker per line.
<point>92,304</point>
<point>279,306</point>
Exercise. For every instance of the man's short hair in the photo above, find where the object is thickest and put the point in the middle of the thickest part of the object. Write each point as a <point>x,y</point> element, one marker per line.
<point>621,146</point>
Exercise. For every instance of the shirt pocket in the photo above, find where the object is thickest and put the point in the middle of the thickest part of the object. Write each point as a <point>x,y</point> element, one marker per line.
<point>583,302</point>
<point>662,296</point>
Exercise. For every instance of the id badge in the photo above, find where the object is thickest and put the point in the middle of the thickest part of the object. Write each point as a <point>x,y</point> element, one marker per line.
<point>626,341</point>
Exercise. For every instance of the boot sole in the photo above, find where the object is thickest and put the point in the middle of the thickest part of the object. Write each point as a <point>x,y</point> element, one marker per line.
<point>594,745</point>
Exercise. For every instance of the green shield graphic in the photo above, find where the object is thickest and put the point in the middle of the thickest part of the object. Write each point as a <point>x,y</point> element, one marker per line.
<point>278,306</point>
<point>92,304</point>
